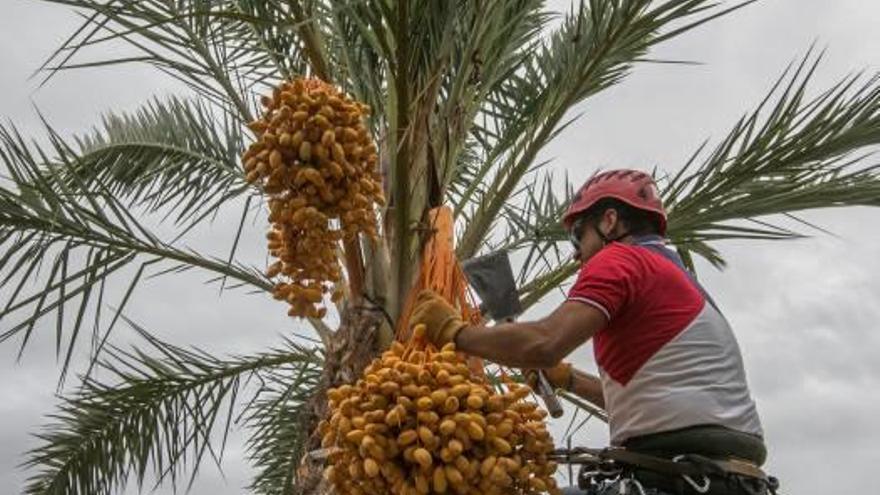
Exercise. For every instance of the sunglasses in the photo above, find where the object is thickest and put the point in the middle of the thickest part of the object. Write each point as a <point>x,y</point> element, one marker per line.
<point>576,233</point>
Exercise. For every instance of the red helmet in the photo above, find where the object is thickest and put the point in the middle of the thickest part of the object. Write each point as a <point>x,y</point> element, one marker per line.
<point>633,187</point>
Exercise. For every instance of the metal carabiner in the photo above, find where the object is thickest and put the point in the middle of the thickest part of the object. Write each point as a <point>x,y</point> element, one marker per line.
<point>698,488</point>
<point>623,486</point>
<point>638,484</point>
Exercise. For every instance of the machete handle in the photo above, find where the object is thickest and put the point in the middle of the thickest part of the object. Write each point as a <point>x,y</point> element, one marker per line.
<point>545,392</point>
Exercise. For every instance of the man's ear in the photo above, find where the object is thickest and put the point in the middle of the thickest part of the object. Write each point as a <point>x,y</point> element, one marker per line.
<point>611,218</point>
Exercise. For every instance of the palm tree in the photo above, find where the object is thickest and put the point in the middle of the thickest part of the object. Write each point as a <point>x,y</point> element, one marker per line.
<point>465,94</point>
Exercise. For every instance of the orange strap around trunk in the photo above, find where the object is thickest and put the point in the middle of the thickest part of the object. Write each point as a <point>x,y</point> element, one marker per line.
<point>440,272</point>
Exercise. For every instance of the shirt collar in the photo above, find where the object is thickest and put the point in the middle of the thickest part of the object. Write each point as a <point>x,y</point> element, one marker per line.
<point>641,240</point>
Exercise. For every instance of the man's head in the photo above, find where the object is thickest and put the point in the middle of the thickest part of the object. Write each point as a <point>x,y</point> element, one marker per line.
<point>612,206</point>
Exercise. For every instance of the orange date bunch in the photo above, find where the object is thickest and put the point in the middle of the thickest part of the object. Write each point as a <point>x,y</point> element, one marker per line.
<point>315,160</point>
<point>420,422</point>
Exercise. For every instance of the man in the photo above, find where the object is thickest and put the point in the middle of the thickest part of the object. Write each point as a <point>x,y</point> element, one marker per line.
<point>671,373</point>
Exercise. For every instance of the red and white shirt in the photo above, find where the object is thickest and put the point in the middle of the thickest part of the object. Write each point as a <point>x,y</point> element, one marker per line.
<point>667,358</point>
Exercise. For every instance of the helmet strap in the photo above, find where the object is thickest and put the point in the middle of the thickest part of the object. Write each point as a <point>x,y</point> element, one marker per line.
<point>606,239</point>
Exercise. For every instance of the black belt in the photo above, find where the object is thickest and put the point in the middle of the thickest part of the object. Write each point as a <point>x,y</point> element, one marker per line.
<point>685,465</point>
<point>709,484</point>
<point>690,473</point>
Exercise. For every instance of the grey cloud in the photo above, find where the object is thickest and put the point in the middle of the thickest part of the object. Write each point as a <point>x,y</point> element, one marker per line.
<point>805,312</point>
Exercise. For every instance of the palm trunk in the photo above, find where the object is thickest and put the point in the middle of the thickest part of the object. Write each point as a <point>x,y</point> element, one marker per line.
<point>349,351</point>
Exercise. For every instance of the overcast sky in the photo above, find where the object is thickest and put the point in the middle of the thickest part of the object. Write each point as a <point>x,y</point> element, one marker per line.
<point>805,312</point>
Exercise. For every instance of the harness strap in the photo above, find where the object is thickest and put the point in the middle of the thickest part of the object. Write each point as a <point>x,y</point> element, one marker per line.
<point>689,465</point>
<point>656,244</point>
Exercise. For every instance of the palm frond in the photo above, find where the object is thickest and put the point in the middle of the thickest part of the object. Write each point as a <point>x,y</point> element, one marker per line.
<point>84,233</point>
<point>532,226</point>
<point>794,152</point>
<point>275,419</point>
<point>217,48</point>
<point>548,280</point>
<point>495,40</point>
<point>176,156</point>
<point>359,64</point>
<point>275,39</point>
<point>154,417</point>
<point>595,48</point>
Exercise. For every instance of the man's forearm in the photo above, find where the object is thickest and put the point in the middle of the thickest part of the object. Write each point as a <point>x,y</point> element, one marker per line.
<point>520,345</point>
<point>526,345</point>
<point>534,344</point>
<point>588,387</point>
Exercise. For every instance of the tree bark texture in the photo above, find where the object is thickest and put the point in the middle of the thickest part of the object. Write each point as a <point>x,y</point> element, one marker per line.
<point>350,350</point>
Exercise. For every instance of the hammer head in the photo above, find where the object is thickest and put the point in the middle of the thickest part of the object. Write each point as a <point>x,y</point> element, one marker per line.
<point>492,278</point>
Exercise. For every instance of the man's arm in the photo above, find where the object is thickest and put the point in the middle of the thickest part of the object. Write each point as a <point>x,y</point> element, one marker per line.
<point>588,387</point>
<point>537,344</point>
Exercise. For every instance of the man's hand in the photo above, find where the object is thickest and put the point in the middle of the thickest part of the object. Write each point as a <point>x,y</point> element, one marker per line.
<point>441,320</point>
<point>559,376</point>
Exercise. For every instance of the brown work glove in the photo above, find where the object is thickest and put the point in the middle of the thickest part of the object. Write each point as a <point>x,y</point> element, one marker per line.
<point>559,376</point>
<point>441,320</point>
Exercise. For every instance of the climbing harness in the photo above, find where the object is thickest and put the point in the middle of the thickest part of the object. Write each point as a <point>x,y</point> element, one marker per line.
<point>625,471</point>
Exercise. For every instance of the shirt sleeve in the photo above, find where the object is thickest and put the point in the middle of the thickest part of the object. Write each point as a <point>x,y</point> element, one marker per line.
<point>607,281</point>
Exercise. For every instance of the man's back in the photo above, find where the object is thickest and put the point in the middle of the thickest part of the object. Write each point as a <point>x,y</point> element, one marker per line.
<point>668,358</point>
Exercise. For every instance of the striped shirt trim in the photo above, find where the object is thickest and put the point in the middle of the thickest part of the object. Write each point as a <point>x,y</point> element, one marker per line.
<point>592,303</point>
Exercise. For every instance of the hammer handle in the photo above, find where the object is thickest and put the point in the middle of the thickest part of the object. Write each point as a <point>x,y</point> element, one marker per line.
<point>545,391</point>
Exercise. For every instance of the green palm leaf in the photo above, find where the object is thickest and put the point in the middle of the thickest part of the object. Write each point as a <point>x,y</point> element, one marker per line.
<point>176,156</point>
<point>48,216</point>
<point>792,153</point>
<point>275,420</point>
<point>593,49</point>
<point>217,48</point>
<point>162,415</point>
